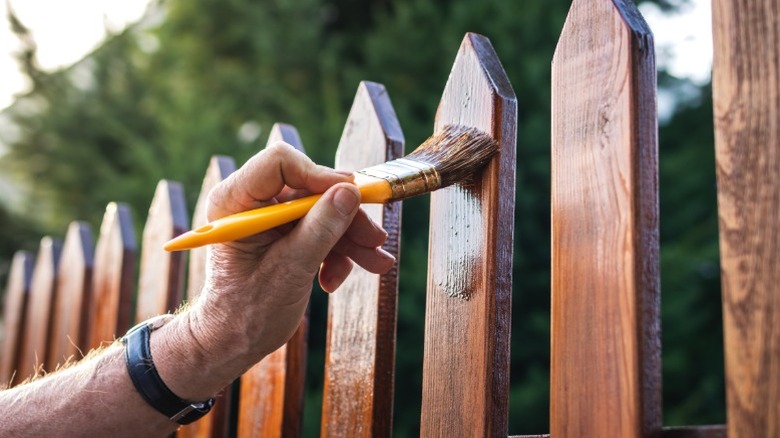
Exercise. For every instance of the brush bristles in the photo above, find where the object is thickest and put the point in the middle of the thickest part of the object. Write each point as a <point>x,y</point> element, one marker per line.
<point>456,152</point>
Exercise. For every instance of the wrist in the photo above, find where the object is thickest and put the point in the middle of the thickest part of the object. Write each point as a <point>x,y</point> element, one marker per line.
<point>190,365</point>
<point>147,380</point>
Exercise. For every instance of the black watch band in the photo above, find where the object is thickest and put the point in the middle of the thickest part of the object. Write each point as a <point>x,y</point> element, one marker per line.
<point>138,357</point>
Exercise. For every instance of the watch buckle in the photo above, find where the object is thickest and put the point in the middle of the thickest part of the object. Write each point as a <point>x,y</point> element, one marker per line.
<point>189,408</point>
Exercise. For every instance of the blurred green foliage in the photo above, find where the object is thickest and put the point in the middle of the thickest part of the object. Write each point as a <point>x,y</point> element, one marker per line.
<point>203,77</point>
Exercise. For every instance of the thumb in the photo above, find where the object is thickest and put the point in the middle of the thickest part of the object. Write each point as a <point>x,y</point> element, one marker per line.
<point>316,234</point>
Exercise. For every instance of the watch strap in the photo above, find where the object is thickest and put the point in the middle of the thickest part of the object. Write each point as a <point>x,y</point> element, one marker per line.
<point>148,383</point>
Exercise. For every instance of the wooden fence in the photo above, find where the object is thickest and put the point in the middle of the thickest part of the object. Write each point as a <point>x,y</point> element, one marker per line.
<point>605,375</point>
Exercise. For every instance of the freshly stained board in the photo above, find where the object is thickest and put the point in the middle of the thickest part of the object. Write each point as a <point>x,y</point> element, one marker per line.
<point>360,346</point>
<point>469,293</point>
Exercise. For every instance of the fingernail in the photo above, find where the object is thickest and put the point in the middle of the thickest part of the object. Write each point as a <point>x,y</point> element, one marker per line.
<point>385,254</point>
<point>345,201</point>
<point>344,172</point>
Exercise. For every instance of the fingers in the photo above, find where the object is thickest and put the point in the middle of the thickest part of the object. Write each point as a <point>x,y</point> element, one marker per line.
<point>261,178</point>
<point>365,232</point>
<point>334,270</point>
<point>315,235</point>
<point>361,243</point>
<point>372,259</point>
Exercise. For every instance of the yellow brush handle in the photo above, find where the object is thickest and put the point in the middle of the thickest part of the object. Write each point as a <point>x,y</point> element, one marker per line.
<point>240,225</point>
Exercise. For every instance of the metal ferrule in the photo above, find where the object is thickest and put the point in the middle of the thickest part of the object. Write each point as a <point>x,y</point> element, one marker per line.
<point>407,178</point>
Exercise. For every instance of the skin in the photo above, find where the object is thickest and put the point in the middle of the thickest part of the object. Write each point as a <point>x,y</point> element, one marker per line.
<point>256,292</point>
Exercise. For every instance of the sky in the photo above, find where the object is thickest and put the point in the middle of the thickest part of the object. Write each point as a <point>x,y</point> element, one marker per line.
<point>66,31</point>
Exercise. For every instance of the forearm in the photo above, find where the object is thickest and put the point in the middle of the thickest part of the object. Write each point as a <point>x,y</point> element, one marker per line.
<point>96,397</point>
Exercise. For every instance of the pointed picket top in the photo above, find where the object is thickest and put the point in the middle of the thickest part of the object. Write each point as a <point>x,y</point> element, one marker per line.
<point>286,133</point>
<point>39,308</point>
<point>271,399</point>
<point>360,351</point>
<point>71,304</point>
<point>476,84</point>
<point>17,295</point>
<point>372,133</point>
<point>468,306</point>
<point>161,280</point>
<point>113,279</point>
<point>617,18</point>
<point>605,345</point>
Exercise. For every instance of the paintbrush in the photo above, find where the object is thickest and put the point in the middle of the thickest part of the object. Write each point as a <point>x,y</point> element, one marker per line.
<point>444,159</point>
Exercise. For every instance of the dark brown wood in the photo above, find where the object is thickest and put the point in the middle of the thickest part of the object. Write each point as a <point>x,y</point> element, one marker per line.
<point>360,348</point>
<point>605,371</point>
<point>272,391</point>
<point>42,293</point>
<point>469,298</point>
<point>110,314</point>
<point>71,305</point>
<point>746,96</point>
<point>14,314</point>
<point>215,423</point>
<point>161,280</point>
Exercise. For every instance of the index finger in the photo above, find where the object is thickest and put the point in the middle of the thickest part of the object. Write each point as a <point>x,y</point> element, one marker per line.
<point>264,176</point>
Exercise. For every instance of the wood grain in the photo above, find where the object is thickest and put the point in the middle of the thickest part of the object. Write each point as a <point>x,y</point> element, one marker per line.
<point>360,346</point>
<point>215,423</point>
<point>42,294</point>
<point>271,396</point>
<point>746,100</point>
<point>605,372</point>
<point>161,280</point>
<point>110,314</point>
<point>17,295</point>
<point>71,305</point>
<point>468,309</point>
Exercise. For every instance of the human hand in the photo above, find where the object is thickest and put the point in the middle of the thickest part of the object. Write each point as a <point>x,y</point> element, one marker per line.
<point>257,289</point>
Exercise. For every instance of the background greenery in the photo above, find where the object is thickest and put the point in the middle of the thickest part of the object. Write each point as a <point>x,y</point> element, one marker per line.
<point>204,77</point>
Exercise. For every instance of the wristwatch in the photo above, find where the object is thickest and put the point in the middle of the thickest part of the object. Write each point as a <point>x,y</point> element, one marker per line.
<point>140,366</point>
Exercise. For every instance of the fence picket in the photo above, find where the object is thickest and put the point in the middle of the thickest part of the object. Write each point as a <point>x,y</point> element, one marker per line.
<point>746,105</point>
<point>605,373</point>
<point>74,283</point>
<point>16,299</point>
<point>271,399</point>
<point>215,424</point>
<point>37,324</point>
<point>161,279</point>
<point>110,313</point>
<point>360,346</point>
<point>468,306</point>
